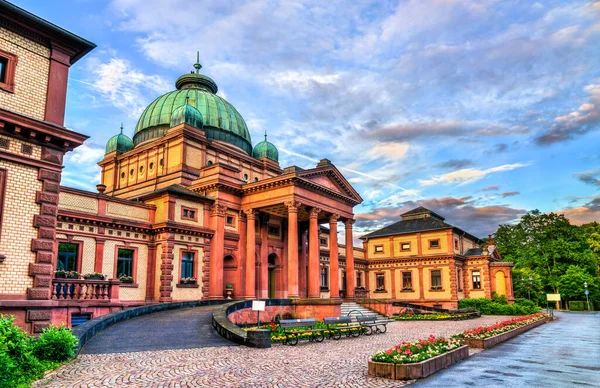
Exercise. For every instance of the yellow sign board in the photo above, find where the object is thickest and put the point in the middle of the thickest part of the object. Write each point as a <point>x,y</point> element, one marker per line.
<point>553,297</point>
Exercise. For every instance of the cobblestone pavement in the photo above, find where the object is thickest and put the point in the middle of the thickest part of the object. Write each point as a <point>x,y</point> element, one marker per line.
<point>331,363</point>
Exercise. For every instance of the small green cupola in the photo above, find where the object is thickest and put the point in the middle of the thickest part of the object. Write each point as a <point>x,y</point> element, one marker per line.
<point>266,149</point>
<point>186,114</point>
<point>120,143</point>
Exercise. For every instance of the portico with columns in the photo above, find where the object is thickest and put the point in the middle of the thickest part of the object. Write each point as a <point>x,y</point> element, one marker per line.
<point>288,266</point>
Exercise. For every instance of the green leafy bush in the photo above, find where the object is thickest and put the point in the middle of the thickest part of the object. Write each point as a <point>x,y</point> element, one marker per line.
<point>489,307</point>
<point>24,359</point>
<point>56,344</point>
<point>576,305</point>
<point>18,365</point>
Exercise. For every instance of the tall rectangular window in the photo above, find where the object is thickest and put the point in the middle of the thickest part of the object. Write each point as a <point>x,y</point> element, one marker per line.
<point>476,275</point>
<point>3,65</point>
<point>407,280</point>
<point>124,262</point>
<point>455,244</point>
<point>459,279</point>
<point>436,279</point>
<point>324,277</point>
<point>67,257</point>
<point>380,281</point>
<point>358,279</point>
<point>187,265</point>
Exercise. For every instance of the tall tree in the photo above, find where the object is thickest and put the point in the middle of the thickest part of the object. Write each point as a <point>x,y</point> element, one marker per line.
<point>547,244</point>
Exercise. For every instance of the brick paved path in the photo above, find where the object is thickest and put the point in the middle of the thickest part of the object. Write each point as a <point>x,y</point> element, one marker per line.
<point>331,363</point>
<point>173,329</point>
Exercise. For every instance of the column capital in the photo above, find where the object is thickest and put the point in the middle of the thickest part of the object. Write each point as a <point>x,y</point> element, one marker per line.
<point>292,206</point>
<point>242,215</point>
<point>334,218</point>
<point>250,213</point>
<point>314,212</point>
<point>349,222</point>
<point>218,210</point>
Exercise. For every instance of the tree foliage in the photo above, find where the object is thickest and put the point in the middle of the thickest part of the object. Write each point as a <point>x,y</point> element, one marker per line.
<point>571,285</point>
<point>547,245</point>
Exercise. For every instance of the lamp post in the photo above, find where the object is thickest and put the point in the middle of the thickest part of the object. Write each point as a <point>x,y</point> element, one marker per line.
<point>529,288</point>
<point>586,295</point>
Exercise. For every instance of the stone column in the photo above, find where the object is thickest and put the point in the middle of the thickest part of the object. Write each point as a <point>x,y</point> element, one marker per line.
<point>292,249</point>
<point>241,271</point>
<point>302,286</point>
<point>350,281</point>
<point>217,250</point>
<point>250,292</point>
<point>264,256</point>
<point>334,268</point>
<point>314,290</point>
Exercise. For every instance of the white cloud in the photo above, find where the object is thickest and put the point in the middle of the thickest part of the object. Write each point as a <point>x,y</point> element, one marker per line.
<point>469,175</point>
<point>125,87</point>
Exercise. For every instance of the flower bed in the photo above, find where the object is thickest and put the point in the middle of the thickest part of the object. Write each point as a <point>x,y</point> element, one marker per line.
<point>431,317</point>
<point>278,335</point>
<point>415,360</point>
<point>484,337</point>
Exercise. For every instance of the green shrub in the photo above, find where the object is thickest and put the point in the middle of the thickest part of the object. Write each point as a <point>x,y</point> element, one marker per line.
<point>499,298</point>
<point>576,305</point>
<point>489,307</point>
<point>56,344</point>
<point>18,365</point>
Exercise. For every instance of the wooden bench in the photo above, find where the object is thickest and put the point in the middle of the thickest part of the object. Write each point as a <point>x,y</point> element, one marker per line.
<point>343,325</point>
<point>370,325</point>
<point>292,336</point>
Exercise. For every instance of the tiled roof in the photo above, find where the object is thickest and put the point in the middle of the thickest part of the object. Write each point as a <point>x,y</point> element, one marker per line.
<point>416,220</point>
<point>474,252</point>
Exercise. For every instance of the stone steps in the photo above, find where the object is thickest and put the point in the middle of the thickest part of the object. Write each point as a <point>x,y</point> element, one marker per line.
<point>354,309</point>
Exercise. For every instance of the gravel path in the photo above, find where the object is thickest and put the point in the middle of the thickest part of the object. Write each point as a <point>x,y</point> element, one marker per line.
<point>331,363</point>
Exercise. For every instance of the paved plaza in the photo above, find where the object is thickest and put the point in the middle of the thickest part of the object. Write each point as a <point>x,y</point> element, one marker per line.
<point>564,353</point>
<point>331,363</point>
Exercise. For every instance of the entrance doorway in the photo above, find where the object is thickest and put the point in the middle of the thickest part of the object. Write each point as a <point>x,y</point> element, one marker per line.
<point>274,270</point>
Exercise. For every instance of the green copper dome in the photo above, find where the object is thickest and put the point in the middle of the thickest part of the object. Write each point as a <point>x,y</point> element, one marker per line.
<point>120,142</point>
<point>221,121</point>
<point>265,149</point>
<point>186,114</point>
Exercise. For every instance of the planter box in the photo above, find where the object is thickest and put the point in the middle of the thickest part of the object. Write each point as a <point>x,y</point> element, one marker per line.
<point>417,370</point>
<point>495,340</point>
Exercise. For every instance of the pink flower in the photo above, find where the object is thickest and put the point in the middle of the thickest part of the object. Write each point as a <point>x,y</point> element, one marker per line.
<point>407,351</point>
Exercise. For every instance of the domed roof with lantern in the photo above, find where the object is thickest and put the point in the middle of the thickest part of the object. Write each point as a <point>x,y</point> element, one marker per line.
<point>194,92</point>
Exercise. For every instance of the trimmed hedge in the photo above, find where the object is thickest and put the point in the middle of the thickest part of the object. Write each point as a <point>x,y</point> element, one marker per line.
<point>24,359</point>
<point>577,305</point>
<point>489,307</point>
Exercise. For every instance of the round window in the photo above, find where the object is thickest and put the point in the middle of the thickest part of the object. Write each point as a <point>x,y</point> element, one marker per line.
<point>131,172</point>
<point>161,162</point>
<point>209,163</point>
<point>141,169</point>
<point>151,165</point>
<point>245,177</point>
<point>255,179</point>
<point>123,175</point>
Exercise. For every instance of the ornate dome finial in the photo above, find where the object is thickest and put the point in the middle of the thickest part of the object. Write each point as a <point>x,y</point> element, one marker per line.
<point>266,149</point>
<point>119,142</point>
<point>197,65</point>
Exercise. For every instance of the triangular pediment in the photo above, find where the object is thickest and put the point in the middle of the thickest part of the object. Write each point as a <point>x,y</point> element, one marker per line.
<point>330,178</point>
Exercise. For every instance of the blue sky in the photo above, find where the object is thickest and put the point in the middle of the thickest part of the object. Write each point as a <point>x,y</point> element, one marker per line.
<point>478,110</point>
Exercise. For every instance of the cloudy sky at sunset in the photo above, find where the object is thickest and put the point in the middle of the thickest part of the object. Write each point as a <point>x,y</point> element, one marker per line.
<point>478,110</point>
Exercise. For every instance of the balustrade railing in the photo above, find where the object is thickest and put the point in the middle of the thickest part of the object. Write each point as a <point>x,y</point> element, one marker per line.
<point>82,289</point>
